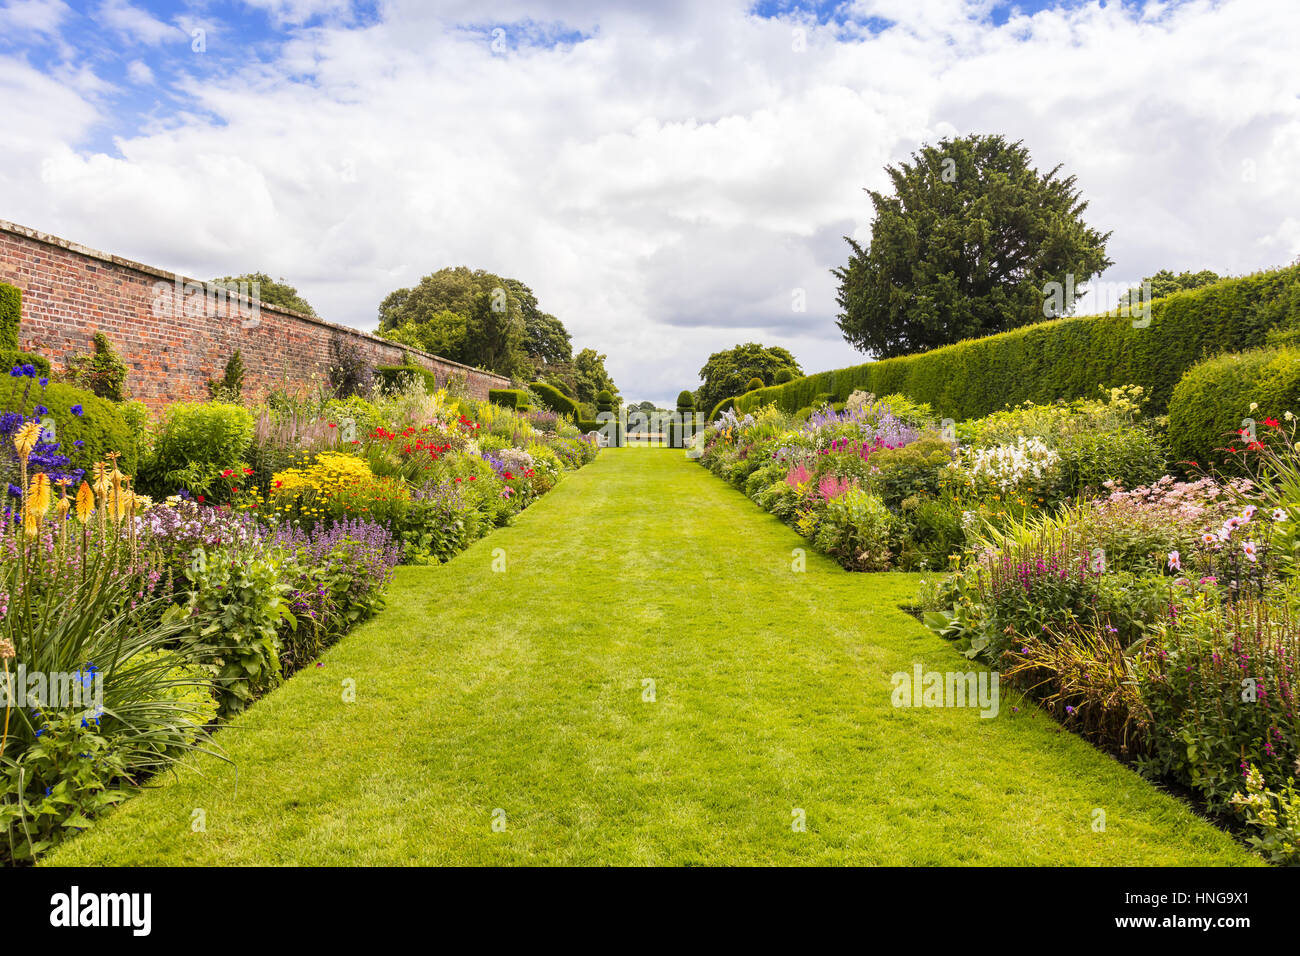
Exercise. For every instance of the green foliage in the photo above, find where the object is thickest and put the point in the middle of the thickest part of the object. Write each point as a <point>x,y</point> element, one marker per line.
<point>237,603</point>
<point>731,371</point>
<point>855,528</point>
<point>591,377</point>
<point>685,400</point>
<point>964,247</point>
<point>477,318</point>
<point>722,406</point>
<point>555,400</point>
<point>1211,403</point>
<point>268,291</point>
<point>100,427</point>
<point>604,401</point>
<point>395,377</point>
<point>1130,456</point>
<point>11,313</point>
<point>102,372</point>
<point>1165,283</point>
<point>783,376</point>
<point>754,383</point>
<point>194,443</point>
<point>230,387</point>
<point>1068,358</point>
<point>508,397</point>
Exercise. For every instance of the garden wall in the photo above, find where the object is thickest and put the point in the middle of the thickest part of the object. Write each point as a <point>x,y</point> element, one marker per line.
<point>173,336</point>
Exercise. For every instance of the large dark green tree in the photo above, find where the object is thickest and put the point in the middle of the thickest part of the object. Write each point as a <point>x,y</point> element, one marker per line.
<point>965,246</point>
<point>469,316</point>
<point>481,319</point>
<point>591,377</point>
<point>728,372</point>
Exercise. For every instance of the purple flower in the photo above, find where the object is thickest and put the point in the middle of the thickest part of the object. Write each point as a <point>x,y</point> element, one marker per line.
<point>76,410</point>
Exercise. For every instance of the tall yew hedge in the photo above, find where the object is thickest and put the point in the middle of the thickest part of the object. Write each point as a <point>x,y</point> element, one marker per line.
<point>1068,358</point>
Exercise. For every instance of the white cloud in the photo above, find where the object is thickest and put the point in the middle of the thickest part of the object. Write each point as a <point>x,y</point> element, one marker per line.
<point>35,16</point>
<point>137,71</point>
<point>666,183</point>
<point>136,24</point>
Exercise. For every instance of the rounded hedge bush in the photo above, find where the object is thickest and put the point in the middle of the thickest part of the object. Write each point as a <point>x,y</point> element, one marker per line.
<point>783,376</point>
<point>81,416</point>
<point>1212,400</point>
<point>754,383</point>
<point>685,400</point>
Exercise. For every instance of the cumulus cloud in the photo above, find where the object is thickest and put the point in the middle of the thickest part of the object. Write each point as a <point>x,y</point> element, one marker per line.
<point>668,178</point>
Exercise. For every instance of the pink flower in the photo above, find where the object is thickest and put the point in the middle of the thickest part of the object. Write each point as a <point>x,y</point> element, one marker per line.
<point>1249,549</point>
<point>1175,563</point>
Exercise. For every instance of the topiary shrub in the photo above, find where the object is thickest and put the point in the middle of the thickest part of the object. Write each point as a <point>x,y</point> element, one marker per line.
<point>11,313</point>
<point>604,401</point>
<point>755,383</point>
<point>783,376</point>
<point>722,406</point>
<point>685,400</point>
<point>555,400</point>
<point>515,398</point>
<point>193,444</point>
<point>1211,404</point>
<point>102,372</point>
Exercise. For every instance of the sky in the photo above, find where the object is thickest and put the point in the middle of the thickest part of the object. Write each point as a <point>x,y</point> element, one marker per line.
<point>670,178</point>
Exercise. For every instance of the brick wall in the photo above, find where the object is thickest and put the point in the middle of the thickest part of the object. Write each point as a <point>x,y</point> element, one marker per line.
<point>171,332</point>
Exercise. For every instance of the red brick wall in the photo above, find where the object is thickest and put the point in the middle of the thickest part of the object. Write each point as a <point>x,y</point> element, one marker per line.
<point>174,341</point>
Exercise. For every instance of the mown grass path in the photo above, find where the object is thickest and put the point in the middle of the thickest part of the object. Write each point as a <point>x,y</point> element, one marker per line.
<point>522,691</point>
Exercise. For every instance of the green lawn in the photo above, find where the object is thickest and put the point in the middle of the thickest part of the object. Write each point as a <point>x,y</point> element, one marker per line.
<point>522,690</point>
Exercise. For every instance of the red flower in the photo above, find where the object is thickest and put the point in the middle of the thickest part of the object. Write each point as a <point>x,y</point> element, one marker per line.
<point>199,499</point>
<point>227,473</point>
<point>507,476</point>
<point>458,479</point>
<point>332,425</point>
<point>1271,422</point>
<point>472,477</point>
<point>278,484</point>
<point>248,471</point>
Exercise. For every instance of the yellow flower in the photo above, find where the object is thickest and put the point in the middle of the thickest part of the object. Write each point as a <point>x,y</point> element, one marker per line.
<point>85,503</point>
<point>25,439</point>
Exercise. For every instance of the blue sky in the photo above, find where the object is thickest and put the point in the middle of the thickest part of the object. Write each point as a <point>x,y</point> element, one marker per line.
<point>665,176</point>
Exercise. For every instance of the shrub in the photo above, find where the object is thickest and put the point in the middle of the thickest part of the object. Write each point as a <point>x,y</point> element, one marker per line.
<point>1129,456</point>
<point>102,372</point>
<point>723,406</point>
<point>783,376</point>
<point>395,377</point>
<point>508,397</point>
<point>685,400</point>
<point>87,427</point>
<point>605,401</point>
<point>1212,400</point>
<point>194,443</point>
<point>11,311</point>
<point>555,400</point>
<point>230,387</point>
<point>1066,358</point>
<point>855,529</point>
<point>754,383</point>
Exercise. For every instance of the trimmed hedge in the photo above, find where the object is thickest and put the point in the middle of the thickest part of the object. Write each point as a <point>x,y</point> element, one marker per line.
<point>11,313</point>
<point>515,398</point>
<point>1213,399</point>
<point>1068,358</point>
<point>392,376</point>
<point>555,400</point>
<point>721,407</point>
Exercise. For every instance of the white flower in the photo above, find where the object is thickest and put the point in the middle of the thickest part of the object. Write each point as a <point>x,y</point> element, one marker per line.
<point>1249,549</point>
<point>1208,538</point>
<point>1254,405</point>
<point>1247,513</point>
<point>1279,514</point>
<point>1175,562</point>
